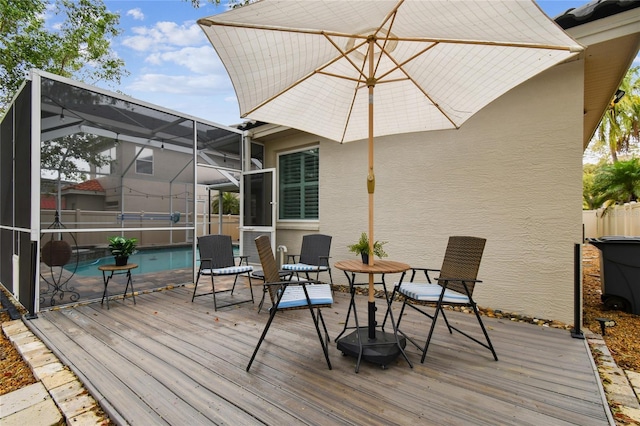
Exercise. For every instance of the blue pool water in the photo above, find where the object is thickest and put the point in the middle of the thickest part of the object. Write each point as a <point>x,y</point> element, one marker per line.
<point>152,260</point>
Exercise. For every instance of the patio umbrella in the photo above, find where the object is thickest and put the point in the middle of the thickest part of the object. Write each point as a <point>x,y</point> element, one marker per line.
<point>315,65</point>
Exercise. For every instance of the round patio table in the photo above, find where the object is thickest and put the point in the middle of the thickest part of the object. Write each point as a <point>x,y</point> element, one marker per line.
<point>116,270</point>
<point>368,342</point>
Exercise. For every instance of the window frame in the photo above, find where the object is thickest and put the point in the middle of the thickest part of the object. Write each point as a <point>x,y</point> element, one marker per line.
<point>107,169</point>
<point>279,185</point>
<point>139,152</point>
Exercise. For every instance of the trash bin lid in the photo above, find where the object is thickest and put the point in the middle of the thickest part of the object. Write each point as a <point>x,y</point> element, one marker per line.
<point>618,239</point>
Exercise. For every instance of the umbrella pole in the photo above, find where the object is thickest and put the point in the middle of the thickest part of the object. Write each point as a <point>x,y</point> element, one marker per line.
<point>371,183</point>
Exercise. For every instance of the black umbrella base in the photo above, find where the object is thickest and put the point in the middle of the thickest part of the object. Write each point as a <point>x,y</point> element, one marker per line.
<point>382,350</point>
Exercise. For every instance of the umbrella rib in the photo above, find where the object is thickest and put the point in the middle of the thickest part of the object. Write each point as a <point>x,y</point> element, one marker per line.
<point>573,49</point>
<point>210,23</point>
<point>345,55</point>
<point>318,70</point>
<point>392,15</point>
<point>399,67</point>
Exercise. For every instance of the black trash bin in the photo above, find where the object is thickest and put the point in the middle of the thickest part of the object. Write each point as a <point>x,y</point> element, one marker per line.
<point>619,272</point>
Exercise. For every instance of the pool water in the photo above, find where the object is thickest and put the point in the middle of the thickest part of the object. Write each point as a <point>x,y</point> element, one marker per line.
<point>152,260</point>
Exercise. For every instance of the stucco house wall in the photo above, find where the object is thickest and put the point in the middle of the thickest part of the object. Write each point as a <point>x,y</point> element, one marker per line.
<point>511,174</point>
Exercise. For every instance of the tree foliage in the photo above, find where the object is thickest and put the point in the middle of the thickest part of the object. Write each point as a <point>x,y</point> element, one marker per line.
<point>619,130</point>
<point>77,46</point>
<point>230,204</point>
<point>618,182</point>
<point>591,199</point>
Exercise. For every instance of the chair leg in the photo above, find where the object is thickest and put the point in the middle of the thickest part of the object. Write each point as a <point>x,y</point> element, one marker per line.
<point>446,321</point>
<point>196,286</point>
<point>250,287</point>
<point>234,284</point>
<point>393,294</point>
<point>264,293</point>
<point>323,343</point>
<point>333,290</point>
<point>406,336</point>
<point>264,333</point>
<point>484,330</point>
<point>213,291</point>
<point>433,327</point>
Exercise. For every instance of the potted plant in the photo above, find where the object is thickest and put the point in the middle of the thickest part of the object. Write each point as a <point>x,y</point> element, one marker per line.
<point>362,248</point>
<point>121,248</point>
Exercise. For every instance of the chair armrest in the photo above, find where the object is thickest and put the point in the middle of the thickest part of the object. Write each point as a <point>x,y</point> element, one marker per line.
<point>326,259</point>
<point>291,258</point>
<point>426,271</point>
<point>205,260</point>
<point>286,283</point>
<point>414,268</point>
<point>464,280</point>
<point>245,258</point>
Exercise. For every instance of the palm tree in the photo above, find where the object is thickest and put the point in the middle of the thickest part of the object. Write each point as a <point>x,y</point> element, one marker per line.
<point>619,129</point>
<point>619,182</point>
<point>230,204</point>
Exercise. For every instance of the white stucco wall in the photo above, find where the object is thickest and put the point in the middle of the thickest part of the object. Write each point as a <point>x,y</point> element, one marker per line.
<point>511,174</point>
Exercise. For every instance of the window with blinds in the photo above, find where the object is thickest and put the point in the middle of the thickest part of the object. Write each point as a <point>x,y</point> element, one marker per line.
<point>299,173</point>
<point>144,161</point>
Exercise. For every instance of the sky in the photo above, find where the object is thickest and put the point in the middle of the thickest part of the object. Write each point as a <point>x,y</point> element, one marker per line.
<point>172,64</point>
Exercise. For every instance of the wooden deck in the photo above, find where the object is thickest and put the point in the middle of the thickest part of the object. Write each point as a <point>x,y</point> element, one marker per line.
<point>167,360</point>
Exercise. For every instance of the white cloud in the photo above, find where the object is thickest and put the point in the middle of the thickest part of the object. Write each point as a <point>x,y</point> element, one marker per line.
<point>203,85</point>
<point>136,14</point>
<point>200,60</point>
<point>163,36</point>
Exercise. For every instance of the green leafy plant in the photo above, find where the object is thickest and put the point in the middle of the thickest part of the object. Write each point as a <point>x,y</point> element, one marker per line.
<point>122,247</point>
<point>362,246</point>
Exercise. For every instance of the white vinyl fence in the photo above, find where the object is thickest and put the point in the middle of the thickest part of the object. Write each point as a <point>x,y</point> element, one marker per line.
<point>617,220</point>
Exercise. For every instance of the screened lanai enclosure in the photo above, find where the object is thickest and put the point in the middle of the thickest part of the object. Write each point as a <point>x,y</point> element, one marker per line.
<point>80,164</point>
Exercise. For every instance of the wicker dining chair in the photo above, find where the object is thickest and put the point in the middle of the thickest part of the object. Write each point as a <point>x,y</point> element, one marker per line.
<point>217,259</point>
<point>313,258</point>
<point>290,295</point>
<point>454,286</point>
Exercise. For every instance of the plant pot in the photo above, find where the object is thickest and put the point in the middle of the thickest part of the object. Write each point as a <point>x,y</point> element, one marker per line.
<point>122,260</point>
<point>365,258</point>
<point>56,253</point>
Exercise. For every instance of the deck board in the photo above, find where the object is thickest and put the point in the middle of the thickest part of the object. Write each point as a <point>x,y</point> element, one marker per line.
<point>167,360</point>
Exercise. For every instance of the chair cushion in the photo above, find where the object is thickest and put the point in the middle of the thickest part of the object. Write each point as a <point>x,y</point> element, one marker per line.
<point>319,294</point>
<point>426,292</point>
<point>302,267</point>
<point>231,270</point>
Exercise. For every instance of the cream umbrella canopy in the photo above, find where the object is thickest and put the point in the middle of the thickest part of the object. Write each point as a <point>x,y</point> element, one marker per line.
<point>315,65</point>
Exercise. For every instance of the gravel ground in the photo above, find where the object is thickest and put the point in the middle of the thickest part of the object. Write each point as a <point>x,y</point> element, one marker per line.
<point>623,340</point>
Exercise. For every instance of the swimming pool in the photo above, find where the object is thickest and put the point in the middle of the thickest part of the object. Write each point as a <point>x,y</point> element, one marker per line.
<point>148,260</point>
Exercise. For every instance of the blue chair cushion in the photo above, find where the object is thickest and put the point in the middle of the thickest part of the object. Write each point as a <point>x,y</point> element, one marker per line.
<point>426,292</point>
<point>230,270</point>
<point>293,297</point>
<point>302,267</point>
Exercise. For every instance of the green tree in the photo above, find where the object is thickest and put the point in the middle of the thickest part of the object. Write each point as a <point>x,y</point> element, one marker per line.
<point>591,198</point>
<point>230,204</point>
<point>619,130</point>
<point>619,182</point>
<point>78,46</point>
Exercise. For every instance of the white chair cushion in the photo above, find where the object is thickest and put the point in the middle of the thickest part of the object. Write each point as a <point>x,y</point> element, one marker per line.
<point>293,297</point>
<point>231,270</point>
<point>426,292</point>
<point>302,267</point>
